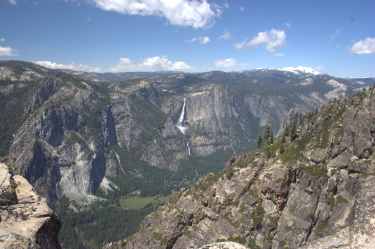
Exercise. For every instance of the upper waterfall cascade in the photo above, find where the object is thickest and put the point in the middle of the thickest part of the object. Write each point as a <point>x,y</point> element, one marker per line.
<point>182,124</point>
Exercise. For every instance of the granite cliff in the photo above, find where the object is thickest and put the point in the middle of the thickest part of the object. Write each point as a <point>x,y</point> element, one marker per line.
<point>26,221</point>
<point>86,140</point>
<point>312,188</point>
<point>74,134</point>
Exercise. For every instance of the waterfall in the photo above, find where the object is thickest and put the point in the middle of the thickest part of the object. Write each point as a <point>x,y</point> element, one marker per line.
<point>182,115</point>
<point>188,148</point>
<point>182,126</point>
<point>182,123</point>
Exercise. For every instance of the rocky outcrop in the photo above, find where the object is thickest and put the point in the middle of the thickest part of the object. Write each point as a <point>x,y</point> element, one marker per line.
<point>26,222</point>
<point>312,188</point>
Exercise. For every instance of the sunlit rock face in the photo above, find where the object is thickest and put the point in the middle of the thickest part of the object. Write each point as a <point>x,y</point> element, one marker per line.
<point>26,220</point>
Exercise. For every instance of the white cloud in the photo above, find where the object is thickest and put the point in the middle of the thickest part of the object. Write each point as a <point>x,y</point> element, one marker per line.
<point>366,46</point>
<point>227,63</point>
<point>156,63</point>
<point>13,2</point>
<point>272,40</point>
<point>226,36</point>
<point>202,40</point>
<point>194,13</point>
<point>6,51</point>
<point>242,9</point>
<point>73,66</point>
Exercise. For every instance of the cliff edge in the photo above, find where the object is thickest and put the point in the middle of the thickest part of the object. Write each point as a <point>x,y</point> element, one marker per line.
<point>26,221</point>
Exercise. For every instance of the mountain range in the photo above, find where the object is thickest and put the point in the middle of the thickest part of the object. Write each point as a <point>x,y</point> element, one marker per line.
<point>86,138</point>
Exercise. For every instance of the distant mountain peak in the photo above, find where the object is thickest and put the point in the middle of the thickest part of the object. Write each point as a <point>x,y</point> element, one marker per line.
<point>300,69</point>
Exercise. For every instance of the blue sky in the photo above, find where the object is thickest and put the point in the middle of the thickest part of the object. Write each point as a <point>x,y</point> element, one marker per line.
<point>335,36</point>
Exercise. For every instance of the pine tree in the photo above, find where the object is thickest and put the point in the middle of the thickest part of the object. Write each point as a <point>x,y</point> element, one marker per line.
<point>268,135</point>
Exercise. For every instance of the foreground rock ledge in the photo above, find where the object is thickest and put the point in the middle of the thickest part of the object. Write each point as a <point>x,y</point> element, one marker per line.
<point>26,221</point>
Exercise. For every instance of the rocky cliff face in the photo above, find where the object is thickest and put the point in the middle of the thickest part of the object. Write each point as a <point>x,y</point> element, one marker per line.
<point>87,137</point>
<point>73,134</point>
<point>57,145</point>
<point>26,220</point>
<point>312,188</point>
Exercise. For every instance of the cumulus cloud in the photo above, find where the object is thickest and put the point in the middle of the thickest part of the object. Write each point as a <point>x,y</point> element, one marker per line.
<point>366,46</point>
<point>6,51</point>
<point>227,63</point>
<point>73,66</point>
<point>272,40</point>
<point>156,63</point>
<point>226,36</point>
<point>201,40</point>
<point>194,13</point>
